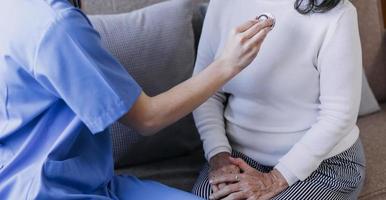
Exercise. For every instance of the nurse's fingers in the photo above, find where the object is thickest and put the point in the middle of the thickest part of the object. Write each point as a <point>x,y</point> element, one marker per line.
<point>243,27</point>
<point>257,40</point>
<point>253,30</point>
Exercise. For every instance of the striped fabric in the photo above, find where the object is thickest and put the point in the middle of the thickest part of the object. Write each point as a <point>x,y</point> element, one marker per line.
<point>338,178</point>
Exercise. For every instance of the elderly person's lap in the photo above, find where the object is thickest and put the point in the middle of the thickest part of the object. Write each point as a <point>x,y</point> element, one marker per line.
<point>339,177</point>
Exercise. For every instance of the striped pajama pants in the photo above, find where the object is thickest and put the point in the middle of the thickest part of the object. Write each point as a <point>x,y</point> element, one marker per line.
<point>339,177</point>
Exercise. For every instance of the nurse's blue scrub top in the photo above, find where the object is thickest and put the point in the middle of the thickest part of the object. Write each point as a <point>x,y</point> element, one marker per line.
<point>59,91</point>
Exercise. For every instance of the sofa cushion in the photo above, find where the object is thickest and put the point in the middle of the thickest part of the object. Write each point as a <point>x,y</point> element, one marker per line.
<point>119,6</point>
<point>369,103</point>
<point>373,134</point>
<point>179,172</point>
<point>373,44</point>
<point>159,53</point>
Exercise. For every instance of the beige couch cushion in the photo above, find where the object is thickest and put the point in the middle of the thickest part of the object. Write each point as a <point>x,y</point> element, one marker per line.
<point>373,134</point>
<point>373,44</point>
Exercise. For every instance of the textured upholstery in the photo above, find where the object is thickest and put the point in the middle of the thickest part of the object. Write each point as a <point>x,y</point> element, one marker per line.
<point>159,53</point>
<point>119,6</point>
<point>373,44</point>
<point>369,103</point>
<point>373,134</point>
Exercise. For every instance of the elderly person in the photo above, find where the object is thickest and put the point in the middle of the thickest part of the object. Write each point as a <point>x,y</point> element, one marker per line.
<point>289,119</point>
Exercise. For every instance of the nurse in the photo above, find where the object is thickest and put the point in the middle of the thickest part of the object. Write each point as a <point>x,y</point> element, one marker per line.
<point>60,90</point>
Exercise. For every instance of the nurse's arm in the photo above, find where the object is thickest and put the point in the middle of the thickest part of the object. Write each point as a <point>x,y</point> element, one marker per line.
<point>150,114</point>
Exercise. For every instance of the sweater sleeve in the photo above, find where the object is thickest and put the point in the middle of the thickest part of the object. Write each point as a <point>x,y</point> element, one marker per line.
<point>340,68</point>
<point>209,117</point>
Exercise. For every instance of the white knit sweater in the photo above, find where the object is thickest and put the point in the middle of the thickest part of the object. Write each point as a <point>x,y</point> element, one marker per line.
<point>297,103</point>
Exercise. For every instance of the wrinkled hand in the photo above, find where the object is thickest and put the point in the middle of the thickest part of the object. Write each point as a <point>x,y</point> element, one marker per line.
<point>220,164</point>
<point>244,43</point>
<point>250,184</point>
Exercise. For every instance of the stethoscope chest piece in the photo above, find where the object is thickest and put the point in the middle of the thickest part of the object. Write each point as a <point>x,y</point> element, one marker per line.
<point>266,16</point>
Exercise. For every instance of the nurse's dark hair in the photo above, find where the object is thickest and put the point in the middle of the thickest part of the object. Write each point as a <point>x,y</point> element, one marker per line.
<point>315,6</point>
<point>76,3</point>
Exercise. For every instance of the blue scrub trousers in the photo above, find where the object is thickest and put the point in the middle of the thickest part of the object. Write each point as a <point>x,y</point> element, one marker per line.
<point>131,188</point>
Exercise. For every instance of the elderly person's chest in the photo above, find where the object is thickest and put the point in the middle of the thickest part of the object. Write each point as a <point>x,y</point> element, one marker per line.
<point>288,59</point>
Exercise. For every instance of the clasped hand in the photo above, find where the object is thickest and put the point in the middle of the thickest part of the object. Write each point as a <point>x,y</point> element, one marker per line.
<point>246,183</point>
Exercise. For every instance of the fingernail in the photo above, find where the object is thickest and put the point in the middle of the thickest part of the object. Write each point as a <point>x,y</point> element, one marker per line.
<point>211,197</point>
<point>210,181</point>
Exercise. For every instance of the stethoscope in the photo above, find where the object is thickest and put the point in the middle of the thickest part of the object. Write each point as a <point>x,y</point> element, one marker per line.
<point>266,16</point>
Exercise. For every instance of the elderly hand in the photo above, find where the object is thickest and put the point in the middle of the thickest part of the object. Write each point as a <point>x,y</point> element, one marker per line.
<point>250,185</point>
<point>221,164</point>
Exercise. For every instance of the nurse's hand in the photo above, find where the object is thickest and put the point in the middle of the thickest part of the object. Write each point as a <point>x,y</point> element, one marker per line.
<point>244,43</point>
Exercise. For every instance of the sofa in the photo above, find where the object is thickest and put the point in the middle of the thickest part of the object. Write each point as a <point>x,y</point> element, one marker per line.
<point>179,156</point>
